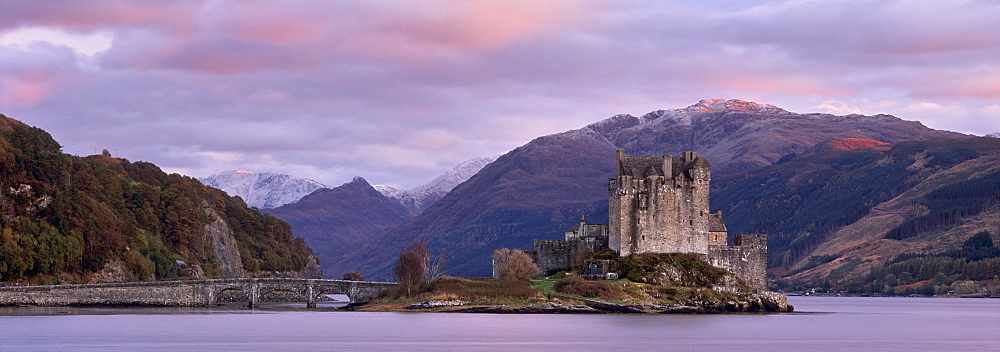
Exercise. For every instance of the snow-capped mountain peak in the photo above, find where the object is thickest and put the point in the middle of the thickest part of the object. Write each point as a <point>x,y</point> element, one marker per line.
<point>419,198</point>
<point>263,190</point>
<point>733,104</point>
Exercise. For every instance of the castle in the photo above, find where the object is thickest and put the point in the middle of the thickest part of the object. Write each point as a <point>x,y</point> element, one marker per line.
<point>660,205</point>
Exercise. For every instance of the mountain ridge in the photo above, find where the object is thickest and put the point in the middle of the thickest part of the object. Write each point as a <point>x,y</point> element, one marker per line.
<point>542,187</point>
<point>263,190</point>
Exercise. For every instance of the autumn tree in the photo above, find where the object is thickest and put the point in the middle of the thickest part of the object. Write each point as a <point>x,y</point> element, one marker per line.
<point>410,267</point>
<point>416,266</point>
<point>514,264</point>
<point>353,276</point>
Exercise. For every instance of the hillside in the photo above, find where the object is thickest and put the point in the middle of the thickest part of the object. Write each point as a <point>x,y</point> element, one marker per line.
<point>483,213</point>
<point>334,221</point>
<point>835,214</point>
<point>69,219</point>
<point>538,190</point>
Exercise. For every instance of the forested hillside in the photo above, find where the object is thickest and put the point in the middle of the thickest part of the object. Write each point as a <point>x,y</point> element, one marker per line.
<point>835,216</point>
<point>70,219</point>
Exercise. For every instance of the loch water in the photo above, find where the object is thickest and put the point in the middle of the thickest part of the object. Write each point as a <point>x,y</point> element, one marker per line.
<point>819,323</point>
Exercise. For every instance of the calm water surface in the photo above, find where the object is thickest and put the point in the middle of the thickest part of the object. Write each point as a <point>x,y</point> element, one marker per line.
<point>824,323</point>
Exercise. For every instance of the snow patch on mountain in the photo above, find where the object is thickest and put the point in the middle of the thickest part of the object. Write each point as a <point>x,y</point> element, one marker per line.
<point>421,197</point>
<point>262,190</point>
<point>685,116</point>
<point>734,105</point>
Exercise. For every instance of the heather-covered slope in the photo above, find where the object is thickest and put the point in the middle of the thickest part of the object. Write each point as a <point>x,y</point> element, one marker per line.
<point>736,135</point>
<point>833,215</point>
<point>335,221</point>
<point>539,189</point>
<point>99,218</point>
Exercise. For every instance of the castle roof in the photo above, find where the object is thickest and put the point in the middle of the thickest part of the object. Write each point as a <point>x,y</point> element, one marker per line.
<point>642,166</point>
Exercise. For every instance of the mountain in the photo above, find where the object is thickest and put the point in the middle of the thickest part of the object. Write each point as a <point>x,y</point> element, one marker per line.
<point>335,221</point>
<point>832,215</point>
<point>262,190</point>
<point>736,135</point>
<point>419,198</point>
<point>98,218</point>
<point>538,190</point>
<point>846,144</point>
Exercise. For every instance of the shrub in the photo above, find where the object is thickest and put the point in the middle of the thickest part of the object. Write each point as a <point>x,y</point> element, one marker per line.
<point>576,285</point>
<point>514,264</point>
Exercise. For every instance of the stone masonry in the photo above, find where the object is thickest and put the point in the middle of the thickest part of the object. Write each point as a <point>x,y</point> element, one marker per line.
<point>184,293</point>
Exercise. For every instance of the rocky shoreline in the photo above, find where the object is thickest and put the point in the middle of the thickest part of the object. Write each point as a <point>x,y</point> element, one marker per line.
<point>761,302</point>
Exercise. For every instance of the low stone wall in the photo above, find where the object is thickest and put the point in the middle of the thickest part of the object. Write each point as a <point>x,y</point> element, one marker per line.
<point>562,254</point>
<point>747,258</point>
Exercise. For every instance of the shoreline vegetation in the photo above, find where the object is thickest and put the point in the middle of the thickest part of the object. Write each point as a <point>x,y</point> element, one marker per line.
<point>647,283</point>
<point>572,294</point>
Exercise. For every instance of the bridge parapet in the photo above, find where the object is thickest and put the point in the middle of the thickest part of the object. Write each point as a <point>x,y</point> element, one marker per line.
<point>184,292</point>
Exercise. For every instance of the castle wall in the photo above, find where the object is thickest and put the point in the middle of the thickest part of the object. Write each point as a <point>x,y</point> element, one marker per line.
<point>747,258</point>
<point>562,254</point>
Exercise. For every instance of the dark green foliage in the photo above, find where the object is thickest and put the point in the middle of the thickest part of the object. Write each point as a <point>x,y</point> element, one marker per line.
<point>980,240</point>
<point>949,204</point>
<point>645,267</point>
<point>65,216</point>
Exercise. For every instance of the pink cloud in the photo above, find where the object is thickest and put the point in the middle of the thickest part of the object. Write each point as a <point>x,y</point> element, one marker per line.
<point>88,15</point>
<point>777,84</point>
<point>22,92</point>
<point>267,23</point>
<point>486,25</point>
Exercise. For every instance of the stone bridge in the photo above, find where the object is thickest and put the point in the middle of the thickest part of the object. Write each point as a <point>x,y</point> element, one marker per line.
<point>185,292</point>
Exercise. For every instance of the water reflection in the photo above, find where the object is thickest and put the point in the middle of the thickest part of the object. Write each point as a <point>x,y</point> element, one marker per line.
<point>821,322</point>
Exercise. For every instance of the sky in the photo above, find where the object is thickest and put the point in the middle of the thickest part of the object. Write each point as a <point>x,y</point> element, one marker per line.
<point>399,92</point>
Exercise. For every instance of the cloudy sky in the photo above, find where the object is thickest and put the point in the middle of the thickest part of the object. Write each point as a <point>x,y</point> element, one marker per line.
<point>400,91</point>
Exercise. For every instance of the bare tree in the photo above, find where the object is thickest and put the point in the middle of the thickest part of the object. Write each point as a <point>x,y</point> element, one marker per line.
<point>416,266</point>
<point>435,266</point>
<point>514,264</point>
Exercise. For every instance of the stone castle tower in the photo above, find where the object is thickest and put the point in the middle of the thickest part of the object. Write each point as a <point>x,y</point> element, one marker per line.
<point>659,204</point>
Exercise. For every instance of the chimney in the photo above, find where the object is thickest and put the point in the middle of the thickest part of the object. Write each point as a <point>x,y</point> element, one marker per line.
<point>668,167</point>
<point>689,156</point>
<point>621,156</point>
